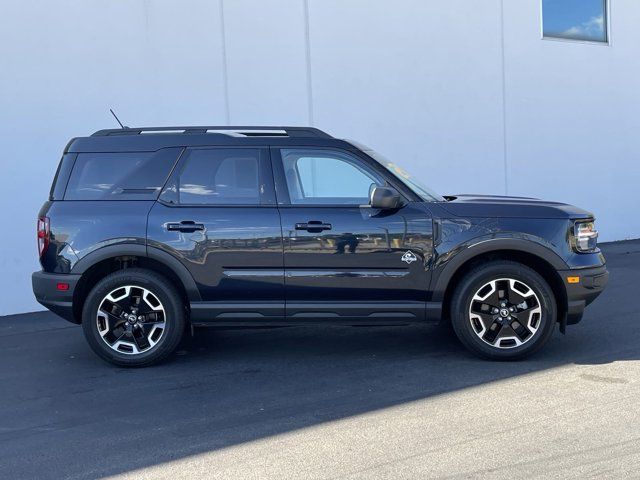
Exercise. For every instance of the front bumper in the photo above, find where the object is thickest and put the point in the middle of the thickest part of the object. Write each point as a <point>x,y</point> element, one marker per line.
<point>592,281</point>
<point>60,302</point>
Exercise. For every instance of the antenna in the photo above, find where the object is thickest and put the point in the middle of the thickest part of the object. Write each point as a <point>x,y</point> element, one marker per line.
<point>117,119</point>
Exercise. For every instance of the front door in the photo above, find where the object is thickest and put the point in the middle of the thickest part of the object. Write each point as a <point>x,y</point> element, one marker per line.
<point>342,258</point>
<point>217,215</point>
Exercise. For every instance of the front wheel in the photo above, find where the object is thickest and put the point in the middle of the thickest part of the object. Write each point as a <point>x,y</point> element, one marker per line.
<point>133,317</point>
<point>503,311</point>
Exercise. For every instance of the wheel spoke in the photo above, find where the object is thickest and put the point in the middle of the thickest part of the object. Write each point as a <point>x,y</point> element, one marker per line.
<point>520,329</point>
<point>508,335</point>
<point>121,336</point>
<point>114,335</point>
<point>488,295</point>
<point>151,318</point>
<point>113,318</point>
<point>527,305</point>
<point>140,338</point>
<point>515,297</point>
<point>518,292</point>
<point>481,307</point>
<point>493,333</point>
<point>482,322</point>
<point>113,309</point>
<point>487,320</point>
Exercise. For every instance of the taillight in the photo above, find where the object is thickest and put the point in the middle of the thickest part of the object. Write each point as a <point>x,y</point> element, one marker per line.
<point>44,234</point>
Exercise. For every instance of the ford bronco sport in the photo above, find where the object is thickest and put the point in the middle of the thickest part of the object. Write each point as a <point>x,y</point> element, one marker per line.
<point>150,230</point>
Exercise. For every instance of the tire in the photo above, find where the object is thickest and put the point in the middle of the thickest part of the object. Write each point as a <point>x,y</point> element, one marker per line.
<point>503,335</point>
<point>127,340</point>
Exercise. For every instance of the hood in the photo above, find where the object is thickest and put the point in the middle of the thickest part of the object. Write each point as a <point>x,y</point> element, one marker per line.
<point>517,207</point>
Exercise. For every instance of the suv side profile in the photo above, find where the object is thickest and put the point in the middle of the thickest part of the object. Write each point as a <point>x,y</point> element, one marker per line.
<point>150,230</point>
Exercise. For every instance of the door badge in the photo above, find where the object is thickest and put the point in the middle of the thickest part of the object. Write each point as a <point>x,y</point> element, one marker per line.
<point>409,257</point>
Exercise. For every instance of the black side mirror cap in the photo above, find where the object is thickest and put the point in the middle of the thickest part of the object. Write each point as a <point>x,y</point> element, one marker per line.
<point>385,198</point>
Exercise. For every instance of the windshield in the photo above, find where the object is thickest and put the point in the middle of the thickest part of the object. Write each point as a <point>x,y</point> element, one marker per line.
<point>401,174</point>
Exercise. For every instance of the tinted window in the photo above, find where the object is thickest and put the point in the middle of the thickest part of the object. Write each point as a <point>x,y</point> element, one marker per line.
<point>575,19</point>
<point>120,176</point>
<point>319,177</point>
<point>62,177</point>
<point>221,176</point>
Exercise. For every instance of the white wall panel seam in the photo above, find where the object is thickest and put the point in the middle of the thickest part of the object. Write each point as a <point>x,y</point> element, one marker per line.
<point>225,75</point>
<point>307,34</point>
<point>504,102</point>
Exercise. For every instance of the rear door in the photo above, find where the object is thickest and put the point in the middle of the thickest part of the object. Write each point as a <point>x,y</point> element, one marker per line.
<point>217,215</point>
<point>342,258</point>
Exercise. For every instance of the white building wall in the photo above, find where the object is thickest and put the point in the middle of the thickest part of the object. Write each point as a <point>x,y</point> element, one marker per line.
<point>572,116</point>
<point>420,82</point>
<point>463,92</point>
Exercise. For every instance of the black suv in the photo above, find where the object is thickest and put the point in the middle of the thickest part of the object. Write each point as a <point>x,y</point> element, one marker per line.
<point>150,230</point>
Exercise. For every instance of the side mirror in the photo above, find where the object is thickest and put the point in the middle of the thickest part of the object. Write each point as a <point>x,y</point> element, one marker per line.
<point>385,198</point>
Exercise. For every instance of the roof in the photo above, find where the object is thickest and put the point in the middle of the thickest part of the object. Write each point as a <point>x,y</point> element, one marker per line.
<point>154,138</point>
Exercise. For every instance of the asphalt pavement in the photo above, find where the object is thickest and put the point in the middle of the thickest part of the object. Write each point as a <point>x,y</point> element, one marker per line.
<point>329,402</point>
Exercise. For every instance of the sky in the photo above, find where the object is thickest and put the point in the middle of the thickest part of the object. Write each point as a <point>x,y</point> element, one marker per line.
<point>577,19</point>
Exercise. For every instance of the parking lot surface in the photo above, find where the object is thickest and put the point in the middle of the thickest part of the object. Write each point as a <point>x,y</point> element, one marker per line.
<point>329,402</point>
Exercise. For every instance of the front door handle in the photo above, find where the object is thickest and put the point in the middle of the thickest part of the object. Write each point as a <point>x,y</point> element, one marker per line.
<point>313,226</point>
<point>187,226</point>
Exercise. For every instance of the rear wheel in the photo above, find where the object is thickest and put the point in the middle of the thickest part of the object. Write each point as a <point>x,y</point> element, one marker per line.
<point>503,311</point>
<point>133,317</point>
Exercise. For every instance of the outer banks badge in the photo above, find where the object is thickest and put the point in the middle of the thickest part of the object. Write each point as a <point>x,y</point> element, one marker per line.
<point>409,257</point>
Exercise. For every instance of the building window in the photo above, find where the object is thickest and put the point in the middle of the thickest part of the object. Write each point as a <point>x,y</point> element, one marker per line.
<point>584,20</point>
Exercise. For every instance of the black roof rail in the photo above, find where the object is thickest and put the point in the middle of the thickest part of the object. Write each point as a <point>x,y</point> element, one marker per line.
<point>244,131</point>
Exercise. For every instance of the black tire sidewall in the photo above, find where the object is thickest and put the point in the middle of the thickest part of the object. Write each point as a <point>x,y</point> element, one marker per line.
<point>159,286</point>
<point>492,271</point>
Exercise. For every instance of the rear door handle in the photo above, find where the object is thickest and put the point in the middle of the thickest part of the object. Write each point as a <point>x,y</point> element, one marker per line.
<point>313,226</point>
<point>187,226</point>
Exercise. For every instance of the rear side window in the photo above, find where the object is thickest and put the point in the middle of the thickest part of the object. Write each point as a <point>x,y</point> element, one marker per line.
<point>120,176</point>
<point>216,176</point>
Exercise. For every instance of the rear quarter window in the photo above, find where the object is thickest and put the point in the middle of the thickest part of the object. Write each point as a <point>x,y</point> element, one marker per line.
<point>62,177</point>
<point>120,176</point>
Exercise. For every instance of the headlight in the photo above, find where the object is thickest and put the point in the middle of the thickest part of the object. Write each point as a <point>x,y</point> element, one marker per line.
<point>585,236</point>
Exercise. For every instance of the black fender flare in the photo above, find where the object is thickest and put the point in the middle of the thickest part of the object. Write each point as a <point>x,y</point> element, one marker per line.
<point>480,246</point>
<point>138,250</point>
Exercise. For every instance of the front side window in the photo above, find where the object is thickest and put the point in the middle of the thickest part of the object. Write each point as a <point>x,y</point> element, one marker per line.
<point>584,20</point>
<point>323,177</point>
<point>216,176</point>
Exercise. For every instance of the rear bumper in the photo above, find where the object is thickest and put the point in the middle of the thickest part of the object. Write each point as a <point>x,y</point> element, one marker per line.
<point>60,302</point>
<point>592,281</point>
